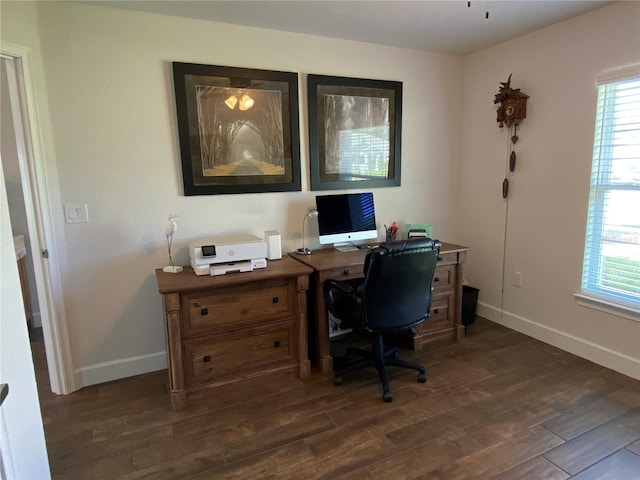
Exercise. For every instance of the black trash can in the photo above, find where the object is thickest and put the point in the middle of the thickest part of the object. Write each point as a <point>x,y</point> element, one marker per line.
<point>469,304</point>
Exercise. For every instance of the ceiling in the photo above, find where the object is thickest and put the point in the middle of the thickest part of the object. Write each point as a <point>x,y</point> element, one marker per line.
<point>444,26</point>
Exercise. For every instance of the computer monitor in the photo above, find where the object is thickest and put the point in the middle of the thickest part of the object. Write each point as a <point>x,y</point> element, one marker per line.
<point>346,218</point>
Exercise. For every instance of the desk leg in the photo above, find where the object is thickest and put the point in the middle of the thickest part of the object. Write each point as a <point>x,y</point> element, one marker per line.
<point>324,360</point>
<point>459,328</point>
<point>304,365</point>
<point>174,347</point>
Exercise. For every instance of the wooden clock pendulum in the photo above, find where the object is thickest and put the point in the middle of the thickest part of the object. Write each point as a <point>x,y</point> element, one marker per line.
<point>511,110</point>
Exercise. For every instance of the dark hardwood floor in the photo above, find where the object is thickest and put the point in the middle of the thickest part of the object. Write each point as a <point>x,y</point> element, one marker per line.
<point>497,405</point>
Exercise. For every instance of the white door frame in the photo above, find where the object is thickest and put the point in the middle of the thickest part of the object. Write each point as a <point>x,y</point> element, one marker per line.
<point>36,197</point>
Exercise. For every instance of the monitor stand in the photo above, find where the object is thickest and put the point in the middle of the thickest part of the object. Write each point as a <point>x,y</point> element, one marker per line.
<point>345,247</point>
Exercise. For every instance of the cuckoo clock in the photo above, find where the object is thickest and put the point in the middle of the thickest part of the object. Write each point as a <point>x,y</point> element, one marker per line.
<point>512,108</point>
<point>513,104</point>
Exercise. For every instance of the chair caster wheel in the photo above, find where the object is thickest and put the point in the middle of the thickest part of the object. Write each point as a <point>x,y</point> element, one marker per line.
<point>337,381</point>
<point>422,377</point>
<point>387,397</point>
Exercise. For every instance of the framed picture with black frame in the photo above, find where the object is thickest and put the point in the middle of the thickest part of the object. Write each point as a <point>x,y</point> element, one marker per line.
<point>238,129</point>
<point>355,131</point>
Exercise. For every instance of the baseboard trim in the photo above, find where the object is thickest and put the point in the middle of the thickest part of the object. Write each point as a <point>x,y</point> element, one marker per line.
<point>588,350</point>
<point>117,369</point>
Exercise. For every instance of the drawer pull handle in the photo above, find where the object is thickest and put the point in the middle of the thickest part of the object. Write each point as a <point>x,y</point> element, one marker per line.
<point>275,299</point>
<point>436,311</point>
<point>207,358</point>
<point>276,344</point>
<point>436,279</point>
<point>204,311</point>
<point>345,271</point>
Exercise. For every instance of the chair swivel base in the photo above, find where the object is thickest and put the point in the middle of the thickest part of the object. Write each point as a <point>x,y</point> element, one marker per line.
<point>379,358</point>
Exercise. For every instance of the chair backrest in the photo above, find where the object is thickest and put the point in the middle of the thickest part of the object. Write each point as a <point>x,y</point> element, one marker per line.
<point>396,294</point>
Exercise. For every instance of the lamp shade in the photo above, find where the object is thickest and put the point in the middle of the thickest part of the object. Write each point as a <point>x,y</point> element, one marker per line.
<point>231,102</point>
<point>246,102</point>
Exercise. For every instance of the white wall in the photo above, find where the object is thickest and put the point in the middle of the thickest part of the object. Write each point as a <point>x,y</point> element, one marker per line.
<point>104,83</point>
<point>548,199</point>
<point>111,142</point>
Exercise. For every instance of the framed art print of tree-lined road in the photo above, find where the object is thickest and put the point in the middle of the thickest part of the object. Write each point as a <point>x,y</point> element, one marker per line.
<point>238,129</point>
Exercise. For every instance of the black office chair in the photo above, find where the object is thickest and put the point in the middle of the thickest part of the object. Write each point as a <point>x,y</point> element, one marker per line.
<point>394,297</point>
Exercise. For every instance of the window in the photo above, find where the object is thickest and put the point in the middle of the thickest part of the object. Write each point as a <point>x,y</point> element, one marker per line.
<point>611,268</point>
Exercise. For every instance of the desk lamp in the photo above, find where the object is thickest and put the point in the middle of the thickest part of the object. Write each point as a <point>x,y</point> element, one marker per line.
<point>312,212</point>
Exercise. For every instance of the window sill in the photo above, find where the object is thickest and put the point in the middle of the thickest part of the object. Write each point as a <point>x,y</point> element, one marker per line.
<point>617,309</point>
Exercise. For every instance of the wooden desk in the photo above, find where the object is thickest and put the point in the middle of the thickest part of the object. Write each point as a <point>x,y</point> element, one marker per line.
<point>231,327</point>
<point>446,309</point>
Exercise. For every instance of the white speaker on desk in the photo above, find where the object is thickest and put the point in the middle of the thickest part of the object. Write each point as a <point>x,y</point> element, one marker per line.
<point>274,244</point>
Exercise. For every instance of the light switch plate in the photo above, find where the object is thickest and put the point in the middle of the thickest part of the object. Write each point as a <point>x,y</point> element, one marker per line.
<point>517,279</point>
<point>76,213</point>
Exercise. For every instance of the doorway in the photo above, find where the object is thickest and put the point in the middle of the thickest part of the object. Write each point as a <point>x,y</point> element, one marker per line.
<point>23,170</point>
<point>15,197</point>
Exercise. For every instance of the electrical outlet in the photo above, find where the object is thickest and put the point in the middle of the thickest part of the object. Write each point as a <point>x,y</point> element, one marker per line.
<point>517,279</point>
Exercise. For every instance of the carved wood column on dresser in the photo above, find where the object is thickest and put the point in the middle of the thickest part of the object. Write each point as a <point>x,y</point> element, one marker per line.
<point>234,327</point>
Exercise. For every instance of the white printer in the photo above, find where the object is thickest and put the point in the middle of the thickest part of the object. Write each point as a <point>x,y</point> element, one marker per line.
<point>228,254</point>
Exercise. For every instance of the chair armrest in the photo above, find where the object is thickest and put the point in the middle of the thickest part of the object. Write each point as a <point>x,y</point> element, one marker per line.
<point>338,295</point>
<point>338,285</point>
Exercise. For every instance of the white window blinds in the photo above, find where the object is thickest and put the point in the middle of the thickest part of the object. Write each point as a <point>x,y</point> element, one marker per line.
<point>612,252</point>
